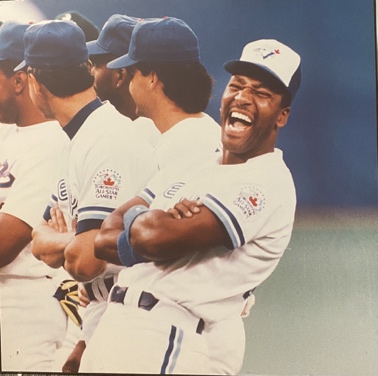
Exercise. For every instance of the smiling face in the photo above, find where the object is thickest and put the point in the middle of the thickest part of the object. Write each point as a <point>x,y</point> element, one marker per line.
<point>251,115</point>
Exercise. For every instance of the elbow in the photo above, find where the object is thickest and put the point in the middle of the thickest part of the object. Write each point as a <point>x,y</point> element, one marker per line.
<point>82,269</point>
<point>5,260</point>
<point>78,273</point>
<point>74,267</point>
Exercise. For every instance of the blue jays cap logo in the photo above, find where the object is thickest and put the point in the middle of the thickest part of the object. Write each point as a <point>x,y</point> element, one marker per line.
<point>265,52</point>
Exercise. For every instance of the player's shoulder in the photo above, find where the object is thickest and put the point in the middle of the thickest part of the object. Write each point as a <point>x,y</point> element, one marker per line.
<point>108,116</point>
<point>202,126</point>
<point>147,130</point>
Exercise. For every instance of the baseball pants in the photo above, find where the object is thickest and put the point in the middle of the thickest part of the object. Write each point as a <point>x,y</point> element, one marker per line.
<point>133,337</point>
<point>33,324</point>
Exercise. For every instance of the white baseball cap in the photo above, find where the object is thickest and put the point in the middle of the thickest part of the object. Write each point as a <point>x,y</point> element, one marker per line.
<point>268,56</point>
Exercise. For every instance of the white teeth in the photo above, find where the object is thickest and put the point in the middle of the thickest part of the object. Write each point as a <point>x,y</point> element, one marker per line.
<point>237,115</point>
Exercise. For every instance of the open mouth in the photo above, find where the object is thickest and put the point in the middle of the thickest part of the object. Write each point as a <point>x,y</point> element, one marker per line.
<point>238,121</point>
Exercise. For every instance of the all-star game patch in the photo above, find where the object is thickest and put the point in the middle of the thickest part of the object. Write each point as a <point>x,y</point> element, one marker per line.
<point>107,184</point>
<point>250,200</point>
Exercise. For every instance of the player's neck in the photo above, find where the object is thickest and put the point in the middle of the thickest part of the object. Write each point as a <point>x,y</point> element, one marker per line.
<point>65,109</point>
<point>168,118</point>
<point>28,113</point>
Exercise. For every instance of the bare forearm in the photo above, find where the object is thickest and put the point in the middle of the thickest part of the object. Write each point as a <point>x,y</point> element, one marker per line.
<point>106,240</point>
<point>49,245</point>
<point>14,236</point>
<point>80,260</point>
<point>157,236</point>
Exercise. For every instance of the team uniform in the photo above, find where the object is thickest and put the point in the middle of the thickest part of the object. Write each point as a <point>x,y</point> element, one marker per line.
<point>5,130</point>
<point>147,130</point>
<point>106,163</point>
<point>33,324</point>
<point>158,315</point>
<point>202,134</point>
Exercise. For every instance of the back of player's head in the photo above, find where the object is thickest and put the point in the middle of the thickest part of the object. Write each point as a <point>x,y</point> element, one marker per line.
<point>160,40</point>
<point>169,47</point>
<point>188,85</point>
<point>272,62</point>
<point>56,54</point>
<point>54,44</point>
<point>11,45</point>
<point>114,37</point>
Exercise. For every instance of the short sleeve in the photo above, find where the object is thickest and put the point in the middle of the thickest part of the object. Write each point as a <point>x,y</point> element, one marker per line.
<point>242,209</point>
<point>110,176</point>
<point>31,189</point>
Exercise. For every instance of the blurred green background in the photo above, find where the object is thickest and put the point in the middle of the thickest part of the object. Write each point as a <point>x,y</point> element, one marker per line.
<point>317,314</point>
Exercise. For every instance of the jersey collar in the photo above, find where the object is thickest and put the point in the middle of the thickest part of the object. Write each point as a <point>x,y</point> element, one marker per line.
<point>77,121</point>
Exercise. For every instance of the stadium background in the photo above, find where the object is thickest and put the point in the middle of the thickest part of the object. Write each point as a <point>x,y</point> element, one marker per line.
<point>317,314</point>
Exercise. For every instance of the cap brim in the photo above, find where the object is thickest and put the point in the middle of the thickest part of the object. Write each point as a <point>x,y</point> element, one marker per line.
<point>95,49</point>
<point>121,62</point>
<point>20,66</point>
<point>245,68</point>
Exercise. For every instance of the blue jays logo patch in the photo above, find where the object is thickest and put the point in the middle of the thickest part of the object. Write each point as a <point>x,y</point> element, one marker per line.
<point>173,189</point>
<point>107,184</point>
<point>251,201</point>
<point>267,52</point>
<point>6,177</point>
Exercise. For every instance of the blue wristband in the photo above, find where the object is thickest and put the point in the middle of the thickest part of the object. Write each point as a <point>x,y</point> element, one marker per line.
<point>126,253</point>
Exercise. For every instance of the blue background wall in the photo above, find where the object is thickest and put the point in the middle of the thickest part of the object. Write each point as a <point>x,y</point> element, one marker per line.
<point>330,142</point>
<point>318,312</point>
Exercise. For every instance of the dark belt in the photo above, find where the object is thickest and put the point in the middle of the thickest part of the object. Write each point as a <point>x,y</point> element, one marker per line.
<point>146,301</point>
<point>109,282</point>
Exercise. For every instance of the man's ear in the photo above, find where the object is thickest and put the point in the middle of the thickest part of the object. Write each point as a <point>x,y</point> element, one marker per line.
<point>283,117</point>
<point>120,77</point>
<point>20,81</point>
<point>33,83</point>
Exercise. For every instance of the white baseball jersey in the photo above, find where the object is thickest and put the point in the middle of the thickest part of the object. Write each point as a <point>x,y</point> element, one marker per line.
<point>33,324</point>
<point>105,164</point>
<point>147,129</point>
<point>188,138</point>
<point>5,130</point>
<point>255,201</point>
<point>28,163</point>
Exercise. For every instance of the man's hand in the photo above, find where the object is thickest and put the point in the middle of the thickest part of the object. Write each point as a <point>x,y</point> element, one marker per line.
<point>83,296</point>
<point>57,221</point>
<point>185,209</point>
<point>72,363</point>
<point>51,238</point>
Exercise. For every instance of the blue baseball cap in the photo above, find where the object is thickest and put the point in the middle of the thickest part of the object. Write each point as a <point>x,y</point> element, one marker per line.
<point>12,40</point>
<point>164,40</point>
<point>114,37</point>
<point>54,43</point>
<point>91,31</point>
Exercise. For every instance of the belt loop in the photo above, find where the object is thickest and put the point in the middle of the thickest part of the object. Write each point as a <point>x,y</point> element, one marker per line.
<point>147,301</point>
<point>118,294</point>
<point>89,291</point>
<point>200,326</point>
